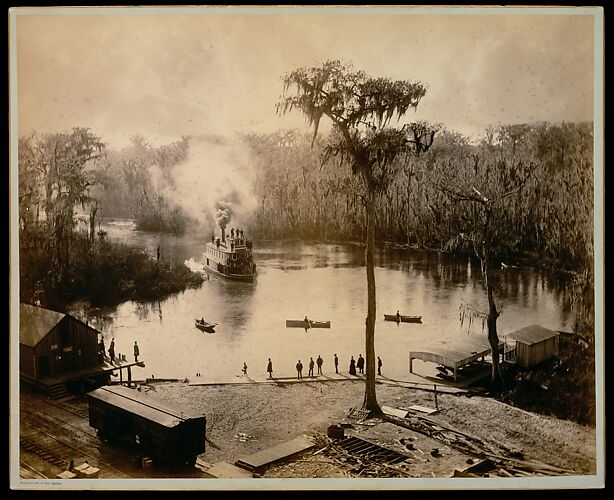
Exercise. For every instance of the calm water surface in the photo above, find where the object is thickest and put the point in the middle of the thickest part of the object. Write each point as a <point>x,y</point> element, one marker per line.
<point>325,282</point>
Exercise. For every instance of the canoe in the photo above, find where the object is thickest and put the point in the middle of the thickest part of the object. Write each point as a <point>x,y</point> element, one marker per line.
<point>300,323</point>
<point>404,319</point>
<point>206,327</point>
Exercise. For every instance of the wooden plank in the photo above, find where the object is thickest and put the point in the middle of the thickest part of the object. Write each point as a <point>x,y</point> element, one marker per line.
<point>422,409</point>
<point>279,452</point>
<point>226,470</point>
<point>397,412</point>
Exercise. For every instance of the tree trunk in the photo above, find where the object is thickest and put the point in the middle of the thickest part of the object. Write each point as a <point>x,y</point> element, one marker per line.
<point>370,402</point>
<point>491,321</point>
<point>93,212</point>
<point>408,191</point>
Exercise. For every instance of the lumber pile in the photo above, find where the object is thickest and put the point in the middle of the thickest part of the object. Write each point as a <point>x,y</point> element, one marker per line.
<point>502,458</point>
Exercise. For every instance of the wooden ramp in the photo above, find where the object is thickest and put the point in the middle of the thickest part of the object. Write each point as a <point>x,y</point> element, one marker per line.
<point>274,454</point>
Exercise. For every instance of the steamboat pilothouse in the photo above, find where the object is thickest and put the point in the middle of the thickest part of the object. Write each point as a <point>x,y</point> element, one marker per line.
<point>230,257</point>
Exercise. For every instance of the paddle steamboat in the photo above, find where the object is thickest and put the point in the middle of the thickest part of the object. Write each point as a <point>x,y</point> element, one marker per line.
<point>230,257</point>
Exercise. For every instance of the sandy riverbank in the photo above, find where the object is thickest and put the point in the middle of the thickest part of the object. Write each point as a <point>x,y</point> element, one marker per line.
<point>276,412</point>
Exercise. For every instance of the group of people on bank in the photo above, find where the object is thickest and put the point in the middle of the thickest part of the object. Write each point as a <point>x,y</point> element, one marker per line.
<point>319,361</point>
<point>111,350</point>
<point>360,365</point>
<point>354,366</point>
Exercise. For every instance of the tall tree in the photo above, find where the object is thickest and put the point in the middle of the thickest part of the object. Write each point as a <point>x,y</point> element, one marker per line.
<point>486,232</point>
<point>61,161</point>
<point>360,109</point>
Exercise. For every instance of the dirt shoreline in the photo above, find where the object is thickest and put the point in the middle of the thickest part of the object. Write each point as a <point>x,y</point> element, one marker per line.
<point>269,414</point>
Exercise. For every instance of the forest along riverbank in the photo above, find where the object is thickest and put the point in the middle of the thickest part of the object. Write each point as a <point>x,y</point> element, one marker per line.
<point>270,414</point>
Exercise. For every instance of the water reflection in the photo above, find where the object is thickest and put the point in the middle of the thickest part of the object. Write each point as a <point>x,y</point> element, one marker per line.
<point>324,282</point>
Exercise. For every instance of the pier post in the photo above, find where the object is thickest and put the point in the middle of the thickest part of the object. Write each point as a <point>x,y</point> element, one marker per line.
<point>120,375</point>
<point>410,364</point>
<point>436,405</point>
<point>129,376</point>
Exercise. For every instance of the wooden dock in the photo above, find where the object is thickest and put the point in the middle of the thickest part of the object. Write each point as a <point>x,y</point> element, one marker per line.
<point>276,453</point>
<point>57,386</point>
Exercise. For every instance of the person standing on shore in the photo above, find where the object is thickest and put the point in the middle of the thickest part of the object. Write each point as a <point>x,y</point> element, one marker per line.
<point>360,364</point>
<point>136,351</point>
<point>112,350</point>
<point>319,362</point>
<point>352,366</point>
<point>269,368</point>
<point>336,364</point>
<point>311,365</point>
<point>299,370</point>
<point>245,369</point>
<point>379,366</point>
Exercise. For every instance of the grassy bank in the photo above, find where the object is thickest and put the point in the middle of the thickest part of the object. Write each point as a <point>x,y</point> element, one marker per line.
<point>563,387</point>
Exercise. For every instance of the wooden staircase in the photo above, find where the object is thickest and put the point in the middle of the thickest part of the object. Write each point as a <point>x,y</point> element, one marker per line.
<point>58,391</point>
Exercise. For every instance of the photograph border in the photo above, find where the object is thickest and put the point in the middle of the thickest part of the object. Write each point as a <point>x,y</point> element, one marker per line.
<point>559,482</point>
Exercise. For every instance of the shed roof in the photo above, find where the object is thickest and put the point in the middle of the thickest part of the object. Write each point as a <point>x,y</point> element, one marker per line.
<point>456,353</point>
<point>144,405</point>
<point>532,334</point>
<point>35,323</point>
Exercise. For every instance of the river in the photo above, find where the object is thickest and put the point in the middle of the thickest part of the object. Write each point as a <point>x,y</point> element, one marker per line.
<point>325,282</point>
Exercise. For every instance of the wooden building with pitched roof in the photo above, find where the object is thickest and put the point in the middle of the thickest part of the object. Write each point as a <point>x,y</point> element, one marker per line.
<point>53,343</point>
<point>531,345</point>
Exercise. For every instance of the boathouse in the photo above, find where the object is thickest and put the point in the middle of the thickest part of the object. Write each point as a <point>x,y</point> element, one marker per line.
<point>531,345</point>
<point>455,355</point>
<point>53,343</point>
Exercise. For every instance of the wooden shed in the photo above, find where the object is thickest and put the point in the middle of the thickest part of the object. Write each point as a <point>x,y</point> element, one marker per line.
<point>533,344</point>
<point>53,343</point>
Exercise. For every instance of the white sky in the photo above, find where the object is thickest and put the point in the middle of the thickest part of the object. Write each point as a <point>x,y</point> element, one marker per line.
<point>200,72</point>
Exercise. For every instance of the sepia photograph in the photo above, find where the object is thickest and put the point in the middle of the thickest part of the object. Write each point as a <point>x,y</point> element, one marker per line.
<point>306,247</point>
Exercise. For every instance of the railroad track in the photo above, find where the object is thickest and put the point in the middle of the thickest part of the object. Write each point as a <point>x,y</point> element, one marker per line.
<point>79,412</point>
<point>62,413</point>
<point>48,454</point>
<point>54,450</point>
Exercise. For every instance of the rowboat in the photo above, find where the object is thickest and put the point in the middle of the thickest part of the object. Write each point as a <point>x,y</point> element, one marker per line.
<point>403,319</point>
<point>300,323</point>
<point>204,326</point>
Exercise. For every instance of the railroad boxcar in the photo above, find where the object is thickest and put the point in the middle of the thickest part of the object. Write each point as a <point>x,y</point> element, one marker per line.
<point>169,434</point>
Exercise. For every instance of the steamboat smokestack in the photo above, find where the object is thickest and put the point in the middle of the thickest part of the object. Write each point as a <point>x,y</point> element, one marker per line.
<point>223,215</point>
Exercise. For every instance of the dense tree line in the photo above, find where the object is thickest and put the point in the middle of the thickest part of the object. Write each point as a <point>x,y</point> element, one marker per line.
<point>62,257</point>
<point>551,217</point>
<point>126,187</point>
<point>547,217</point>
